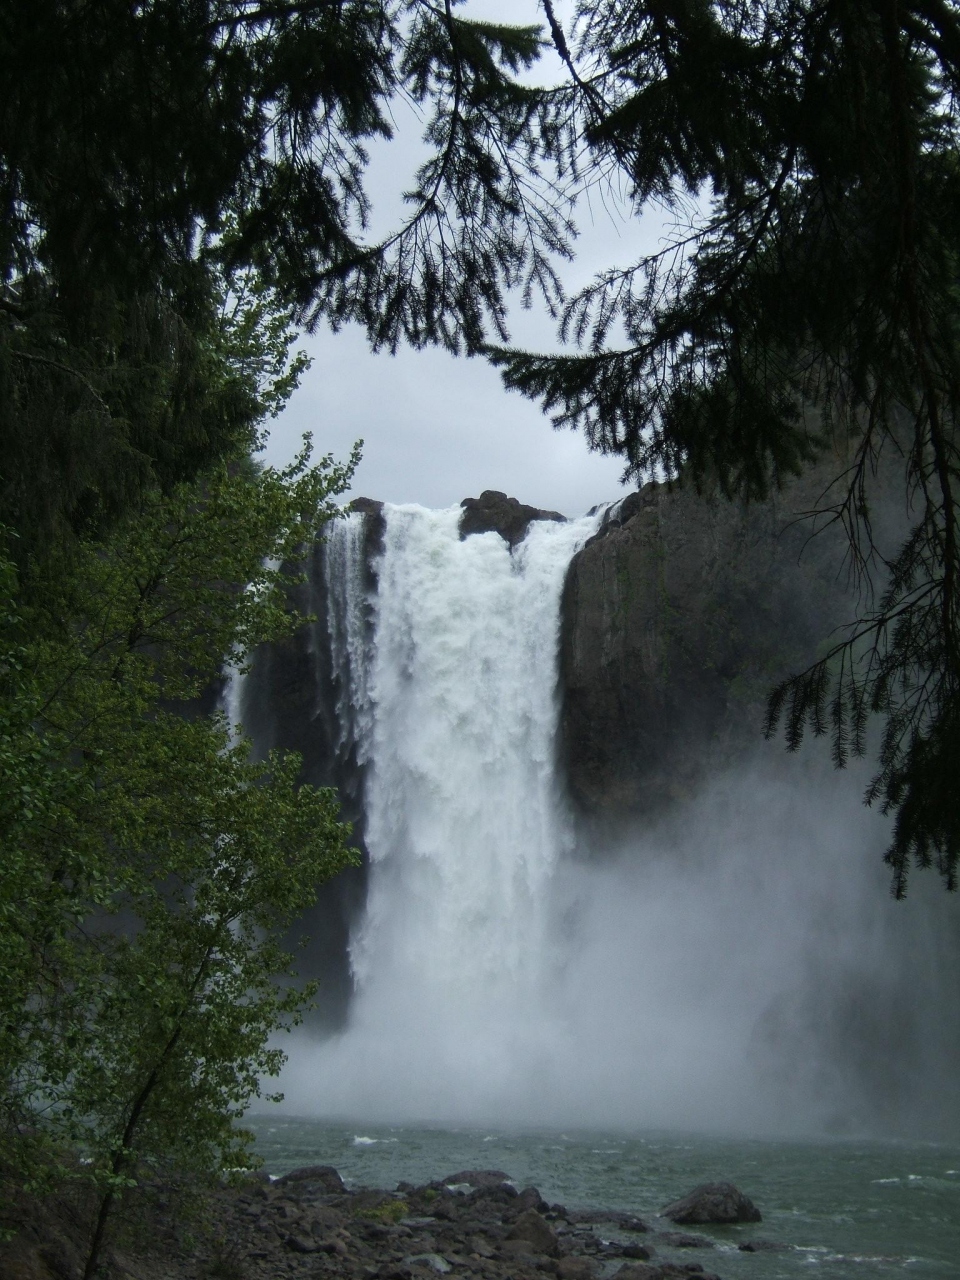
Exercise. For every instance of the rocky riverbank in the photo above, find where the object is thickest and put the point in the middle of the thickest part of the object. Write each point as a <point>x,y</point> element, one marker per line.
<point>308,1225</point>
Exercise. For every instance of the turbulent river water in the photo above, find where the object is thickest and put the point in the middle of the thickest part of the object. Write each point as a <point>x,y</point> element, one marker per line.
<point>846,1209</point>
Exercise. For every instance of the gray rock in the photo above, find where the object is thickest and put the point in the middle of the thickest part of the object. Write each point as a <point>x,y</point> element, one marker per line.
<point>682,1240</point>
<point>678,617</point>
<point>480,1246</point>
<point>639,1271</point>
<point>323,1176</point>
<point>530,1198</point>
<point>494,512</point>
<point>575,1269</point>
<point>324,1219</point>
<point>444,1210</point>
<point>625,1221</point>
<point>530,1228</point>
<point>303,1244</point>
<point>713,1202</point>
<point>376,524</point>
<point>433,1261</point>
<point>641,1251</point>
<point>519,1249</point>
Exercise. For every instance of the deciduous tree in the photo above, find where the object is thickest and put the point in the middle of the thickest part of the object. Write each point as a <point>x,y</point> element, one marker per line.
<point>149,867</point>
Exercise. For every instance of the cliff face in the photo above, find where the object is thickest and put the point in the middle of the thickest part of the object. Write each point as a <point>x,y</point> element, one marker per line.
<point>679,617</point>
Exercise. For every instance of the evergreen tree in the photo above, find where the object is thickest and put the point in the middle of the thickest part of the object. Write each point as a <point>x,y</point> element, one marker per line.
<point>809,152</point>
<point>149,867</point>
<point>150,155</point>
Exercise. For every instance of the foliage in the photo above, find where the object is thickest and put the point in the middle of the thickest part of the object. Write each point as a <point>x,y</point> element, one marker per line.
<point>149,866</point>
<point>389,1213</point>
<point>805,301</point>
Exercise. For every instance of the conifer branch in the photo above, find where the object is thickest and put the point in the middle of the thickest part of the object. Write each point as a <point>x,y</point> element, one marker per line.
<point>63,368</point>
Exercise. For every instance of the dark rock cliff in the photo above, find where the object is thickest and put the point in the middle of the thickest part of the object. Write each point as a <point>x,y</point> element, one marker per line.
<point>679,617</point>
<point>289,703</point>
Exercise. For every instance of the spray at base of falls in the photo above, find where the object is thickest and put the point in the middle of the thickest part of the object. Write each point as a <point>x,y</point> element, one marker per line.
<point>688,978</point>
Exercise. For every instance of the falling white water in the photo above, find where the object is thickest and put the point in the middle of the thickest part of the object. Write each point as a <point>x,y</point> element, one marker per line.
<point>230,701</point>
<point>345,572</point>
<point>455,708</point>
<point>234,689</point>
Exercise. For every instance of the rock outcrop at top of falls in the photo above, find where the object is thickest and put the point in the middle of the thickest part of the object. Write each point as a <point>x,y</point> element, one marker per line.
<point>494,512</point>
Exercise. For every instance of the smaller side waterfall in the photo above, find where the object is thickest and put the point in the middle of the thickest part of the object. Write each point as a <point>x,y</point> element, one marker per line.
<point>345,574</point>
<point>230,701</point>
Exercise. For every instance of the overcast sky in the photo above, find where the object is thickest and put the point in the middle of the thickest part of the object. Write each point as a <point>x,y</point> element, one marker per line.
<point>436,428</point>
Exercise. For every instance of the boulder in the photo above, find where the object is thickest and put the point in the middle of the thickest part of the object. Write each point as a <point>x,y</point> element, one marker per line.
<point>530,1198</point>
<point>322,1176</point>
<point>713,1202</point>
<point>576,1269</point>
<point>493,1199</point>
<point>481,1246</point>
<point>589,1217</point>
<point>324,1219</point>
<point>640,1251</point>
<point>639,1271</point>
<point>521,1250</point>
<point>681,1240</point>
<point>444,1210</point>
<point>303,1244</point>
<point>376,524</point>
<point>432,1262</point>
<point>494,512</point>
<point>535,1231</point>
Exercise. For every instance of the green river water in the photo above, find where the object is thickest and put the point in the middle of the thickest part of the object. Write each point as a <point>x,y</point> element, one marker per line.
<point>846,1208</point>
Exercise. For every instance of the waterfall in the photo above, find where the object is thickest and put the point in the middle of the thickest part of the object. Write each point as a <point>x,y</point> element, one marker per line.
<point>452,696</point>
<point>738,965</point>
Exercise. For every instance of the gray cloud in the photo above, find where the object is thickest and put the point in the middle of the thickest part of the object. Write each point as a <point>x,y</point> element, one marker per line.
<point>437,428</point>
